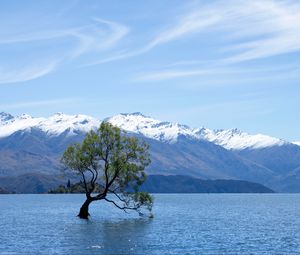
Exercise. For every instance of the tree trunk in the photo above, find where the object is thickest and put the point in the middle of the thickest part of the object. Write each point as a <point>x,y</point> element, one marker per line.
<point>84,210</point>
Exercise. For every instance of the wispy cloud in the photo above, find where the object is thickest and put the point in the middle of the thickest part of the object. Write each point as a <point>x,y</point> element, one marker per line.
<point>169,74</point>
<point>98,36</point>
<point>269,28</point>
<point>118,31</point>
<point>186,25</point>
<point>27,73</point>
<point>259,29</point>
<point>247,30</point>
<point>243,31</point>
<point>189,24</point>
<point>96,39</point>
<point>31,104</point>
<point>256,73</point>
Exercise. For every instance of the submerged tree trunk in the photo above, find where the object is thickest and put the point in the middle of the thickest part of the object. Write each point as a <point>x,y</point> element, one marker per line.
<point>84,210</point>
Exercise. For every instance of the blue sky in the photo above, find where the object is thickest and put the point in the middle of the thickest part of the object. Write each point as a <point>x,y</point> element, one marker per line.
<point>218,64</point>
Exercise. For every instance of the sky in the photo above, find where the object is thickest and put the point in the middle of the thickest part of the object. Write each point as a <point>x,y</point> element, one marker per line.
<point>217,64</point>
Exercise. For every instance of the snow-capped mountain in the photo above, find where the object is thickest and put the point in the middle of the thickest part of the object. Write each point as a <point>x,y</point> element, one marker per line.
<point>152,128</point>
<point>5,117</point>
<point>297,143</point>
<point>30,145</point>
<point>169,132</point>
<point>237,140</point>
<point>136,123</point>
<point>54,125</point>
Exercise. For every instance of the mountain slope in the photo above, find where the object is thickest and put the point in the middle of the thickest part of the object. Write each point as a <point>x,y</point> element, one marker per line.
<point>186,184</point>
<point>34,151</point>
<point>34,145</point>
<point>275,156</point>
<point>281,159</point>
<point>202,159</point>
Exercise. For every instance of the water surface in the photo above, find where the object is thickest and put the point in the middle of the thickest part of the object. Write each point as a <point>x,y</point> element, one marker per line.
<point>183,224</point>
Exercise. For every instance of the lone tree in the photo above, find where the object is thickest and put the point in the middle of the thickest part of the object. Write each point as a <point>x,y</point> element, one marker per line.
<point>113,161</point>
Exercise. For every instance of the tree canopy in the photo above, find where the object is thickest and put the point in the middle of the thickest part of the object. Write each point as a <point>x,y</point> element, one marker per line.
<point>114,161</point>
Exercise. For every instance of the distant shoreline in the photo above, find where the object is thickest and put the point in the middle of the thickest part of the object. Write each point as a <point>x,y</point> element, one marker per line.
<point>39,184</point>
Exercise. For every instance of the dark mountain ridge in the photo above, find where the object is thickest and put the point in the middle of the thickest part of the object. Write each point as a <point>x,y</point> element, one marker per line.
<point>42,183</point>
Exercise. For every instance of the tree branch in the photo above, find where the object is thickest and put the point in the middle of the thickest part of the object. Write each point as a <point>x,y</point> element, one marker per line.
<point>85,186</point>
<point>92,180</point>
<point>118,196</point>
<point>121,207</point>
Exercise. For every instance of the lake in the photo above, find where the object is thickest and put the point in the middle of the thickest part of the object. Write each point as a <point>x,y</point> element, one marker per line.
<point>183,224</point>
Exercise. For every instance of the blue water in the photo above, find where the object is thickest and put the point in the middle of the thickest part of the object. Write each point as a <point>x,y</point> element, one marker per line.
<point>183,224</point>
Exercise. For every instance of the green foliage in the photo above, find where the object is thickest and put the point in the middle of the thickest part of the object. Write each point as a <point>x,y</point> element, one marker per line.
<point>114,161</point>
<point>145,199</point>
<point>73,188</point>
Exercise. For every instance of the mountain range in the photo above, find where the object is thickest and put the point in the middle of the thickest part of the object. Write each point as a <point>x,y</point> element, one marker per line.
<point>33,146</point>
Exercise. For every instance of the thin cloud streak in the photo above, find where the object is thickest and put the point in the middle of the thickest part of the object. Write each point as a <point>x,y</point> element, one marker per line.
<point>27,73</point>
<point>118,31</point>
<point>254,30</point>
<point>277,21</point>
<point>95,42</point>
<point>170,74</point>
<point>31,104</point>
<point>189,24</point>
<point>184,27</point>
<point>258,73</point>
<point>90,38</point>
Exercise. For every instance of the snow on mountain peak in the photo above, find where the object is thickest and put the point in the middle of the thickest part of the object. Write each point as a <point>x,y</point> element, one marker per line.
<point>135,114</point>
<point>58,114</point>
<point>238,140</point>
<point>54,125</point>
<point>297,143</point>
<point>60,122</point>
<point>137,123</point>
<point>15,124</point>
<point>5,117</point>
<point>151,128</point>
<point>24,116</point>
